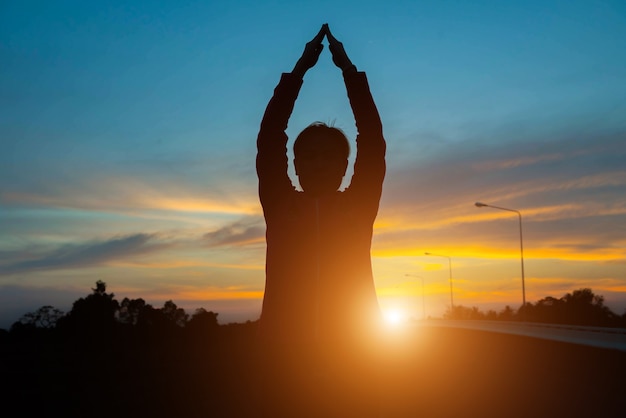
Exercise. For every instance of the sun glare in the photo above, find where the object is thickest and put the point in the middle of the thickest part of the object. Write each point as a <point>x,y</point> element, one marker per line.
<point>393,317</point>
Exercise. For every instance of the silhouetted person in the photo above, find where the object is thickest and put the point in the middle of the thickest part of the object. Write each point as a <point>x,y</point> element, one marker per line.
<point>320,313</point>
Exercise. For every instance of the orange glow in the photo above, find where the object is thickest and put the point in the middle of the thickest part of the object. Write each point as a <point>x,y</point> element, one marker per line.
<point>185,204</point>
<point>175,264</point>
<point>485,255</point>
<point>220,294</point>
<point>430,220</point>
<point>123,194</point>
<point>512,251</point>
<point>616,288</point>
<point>192,293</point>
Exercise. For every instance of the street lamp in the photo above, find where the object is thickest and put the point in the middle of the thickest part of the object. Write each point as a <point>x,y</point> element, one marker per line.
<point>450,266</point>
<point>521,243</point>
<point>423,298</point>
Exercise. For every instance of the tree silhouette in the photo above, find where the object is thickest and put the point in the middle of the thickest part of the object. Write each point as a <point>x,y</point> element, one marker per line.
<point>130,311</point>
<point>581,307</point>
<point>94,314</point>
<point>491,315</point>
<point>462,312</point>
<point>506,314</point>
<point>202,333</point>
<point>203,320</point>
<point>173,314</point>
<point>584,307</point>
<point>45,317</point>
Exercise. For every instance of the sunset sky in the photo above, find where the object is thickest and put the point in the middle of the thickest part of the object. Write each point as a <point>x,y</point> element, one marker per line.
<point>128,141</point>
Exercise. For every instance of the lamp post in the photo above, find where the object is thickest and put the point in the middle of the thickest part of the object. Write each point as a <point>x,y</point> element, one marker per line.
<point>521,242</point>
<point>450,267</point>
<point>423,298</point>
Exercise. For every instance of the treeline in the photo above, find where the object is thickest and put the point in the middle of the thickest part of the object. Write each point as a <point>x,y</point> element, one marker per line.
<point>581,307</point>
<point>110,358</point>
<point>100,313</point>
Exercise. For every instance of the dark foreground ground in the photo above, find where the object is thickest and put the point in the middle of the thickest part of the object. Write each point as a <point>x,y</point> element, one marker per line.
<point>437,372</point>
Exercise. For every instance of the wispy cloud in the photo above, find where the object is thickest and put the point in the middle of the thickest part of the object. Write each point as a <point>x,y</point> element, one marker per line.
<point>126,194</point>
<point>242,232</point>
<point>570,191</point>
<point>87,254</point>
<point>512,171</point>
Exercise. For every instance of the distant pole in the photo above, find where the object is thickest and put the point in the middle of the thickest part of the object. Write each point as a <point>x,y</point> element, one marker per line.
<point>521,242</point>
<point>450,267</point>
<point>423,297</point>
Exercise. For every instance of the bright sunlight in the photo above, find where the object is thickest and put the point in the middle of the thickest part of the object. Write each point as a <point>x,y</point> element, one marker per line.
<point>394,317</point>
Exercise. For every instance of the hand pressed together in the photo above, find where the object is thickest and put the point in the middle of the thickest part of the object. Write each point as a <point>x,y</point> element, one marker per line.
<point>340,58</point>
<point>313,49</point>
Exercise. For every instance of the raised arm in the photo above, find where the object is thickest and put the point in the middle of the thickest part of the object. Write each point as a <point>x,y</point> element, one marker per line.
<point>312,51</point>
<point>369,167</point>
<point>340,58</point>
<point>271,162</point>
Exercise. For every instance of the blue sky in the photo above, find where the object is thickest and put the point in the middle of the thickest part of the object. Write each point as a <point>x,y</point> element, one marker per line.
<point>127,146</point>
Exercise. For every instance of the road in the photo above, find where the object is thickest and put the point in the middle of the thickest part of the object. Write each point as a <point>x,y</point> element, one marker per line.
<point>482,369</point>
<point>612,338</point>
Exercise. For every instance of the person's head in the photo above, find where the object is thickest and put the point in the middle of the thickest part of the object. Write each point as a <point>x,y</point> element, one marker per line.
<point>321,158</point>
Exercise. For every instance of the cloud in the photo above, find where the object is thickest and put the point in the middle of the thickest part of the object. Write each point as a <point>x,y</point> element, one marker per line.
<point>243,232</point>
<point>521,174</point>
<point>127,194</point>
<point>70,256</point>
<point>484,168</point>
<point>570,190</point>
<point>110,180</point>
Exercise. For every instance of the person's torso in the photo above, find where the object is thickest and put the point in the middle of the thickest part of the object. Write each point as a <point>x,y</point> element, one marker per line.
<point>318,267</point>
